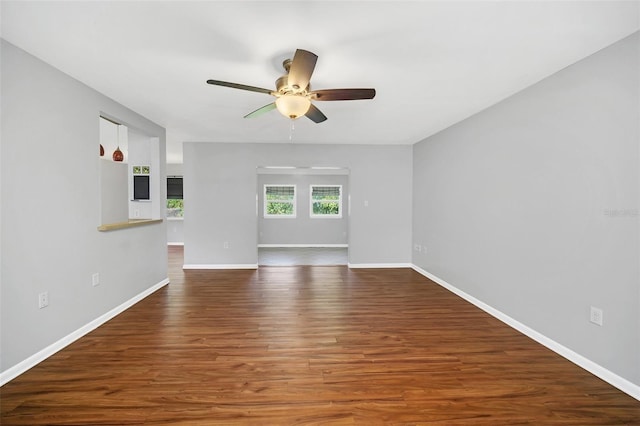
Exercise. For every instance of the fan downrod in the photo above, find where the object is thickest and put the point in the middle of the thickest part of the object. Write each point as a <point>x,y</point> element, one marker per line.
<point>286,64</point>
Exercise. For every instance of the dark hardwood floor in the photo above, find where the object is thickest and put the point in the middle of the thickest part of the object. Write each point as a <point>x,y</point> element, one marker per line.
<point>308,345</point>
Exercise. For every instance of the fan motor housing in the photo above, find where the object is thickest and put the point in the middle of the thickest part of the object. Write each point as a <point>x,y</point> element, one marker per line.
<point>282,83</point>
<point>282,86</point>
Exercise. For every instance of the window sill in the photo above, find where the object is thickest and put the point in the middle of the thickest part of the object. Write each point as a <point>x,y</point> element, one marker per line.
<point>279,217</point>
<point>175,218</point>
<point>132,223</point>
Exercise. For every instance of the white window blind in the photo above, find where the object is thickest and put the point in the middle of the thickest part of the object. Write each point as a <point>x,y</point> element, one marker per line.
<point>280,192</point>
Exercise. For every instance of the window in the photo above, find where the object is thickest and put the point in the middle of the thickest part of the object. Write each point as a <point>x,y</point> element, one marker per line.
<point>279,201</point>
<point>326,201</point>
<point>175,203</point>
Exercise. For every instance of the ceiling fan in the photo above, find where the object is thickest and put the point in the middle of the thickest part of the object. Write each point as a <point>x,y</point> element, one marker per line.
<point>293,92</point>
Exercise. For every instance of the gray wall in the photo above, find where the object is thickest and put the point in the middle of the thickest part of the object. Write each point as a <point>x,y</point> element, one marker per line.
<point>175,231</point>
<point>51,210</point>
<point>220,195</point>
<point>532,207</point>
<point>174,169</point>
<point>114,194</point>
<point>303,229</point>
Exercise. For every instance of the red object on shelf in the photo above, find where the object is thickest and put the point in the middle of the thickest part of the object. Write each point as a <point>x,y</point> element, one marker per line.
<point>101,150</point>
<point>118,155</point>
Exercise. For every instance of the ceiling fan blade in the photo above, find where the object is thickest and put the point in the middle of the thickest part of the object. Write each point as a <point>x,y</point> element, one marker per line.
<point>315,115</point>
<point>301,69</point>
<point>261,110</point>
<point>239,86</point>
<point>342,94</point>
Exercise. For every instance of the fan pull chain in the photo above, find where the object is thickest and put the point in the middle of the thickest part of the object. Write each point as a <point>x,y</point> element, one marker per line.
<point>291,129</point>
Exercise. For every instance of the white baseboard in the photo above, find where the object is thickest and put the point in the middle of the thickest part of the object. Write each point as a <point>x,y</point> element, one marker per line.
<point>597,370</point>
<point>378,265</point>
<point>303,245</point>
<point>45,353</point>
<point>175,244</point>
<point>221,266</point>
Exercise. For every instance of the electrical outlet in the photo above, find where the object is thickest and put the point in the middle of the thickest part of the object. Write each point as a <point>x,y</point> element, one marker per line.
<point>596,316</point>
<point>95,279</point>
<point>43,300</point>
<point>226,244</point>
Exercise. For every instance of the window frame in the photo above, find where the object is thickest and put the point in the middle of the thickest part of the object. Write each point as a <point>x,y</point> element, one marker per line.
<point>325,215</point>
<point>293,202</point>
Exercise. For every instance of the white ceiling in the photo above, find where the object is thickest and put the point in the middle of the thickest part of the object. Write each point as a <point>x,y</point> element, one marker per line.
<point>433,63</point>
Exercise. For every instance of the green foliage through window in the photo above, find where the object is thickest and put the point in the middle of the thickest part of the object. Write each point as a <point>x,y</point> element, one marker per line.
<point>326,207</point>
<point>175,207</point>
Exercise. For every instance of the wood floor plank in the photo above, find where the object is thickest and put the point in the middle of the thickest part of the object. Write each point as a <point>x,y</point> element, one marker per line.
<point>308,345</point>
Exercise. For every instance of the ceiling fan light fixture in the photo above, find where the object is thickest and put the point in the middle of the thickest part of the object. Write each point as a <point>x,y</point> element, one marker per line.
<point>293,106</point>
<point>293,90</point>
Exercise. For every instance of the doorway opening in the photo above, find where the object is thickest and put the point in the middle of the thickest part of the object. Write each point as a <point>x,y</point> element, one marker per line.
<point>303,215</point>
